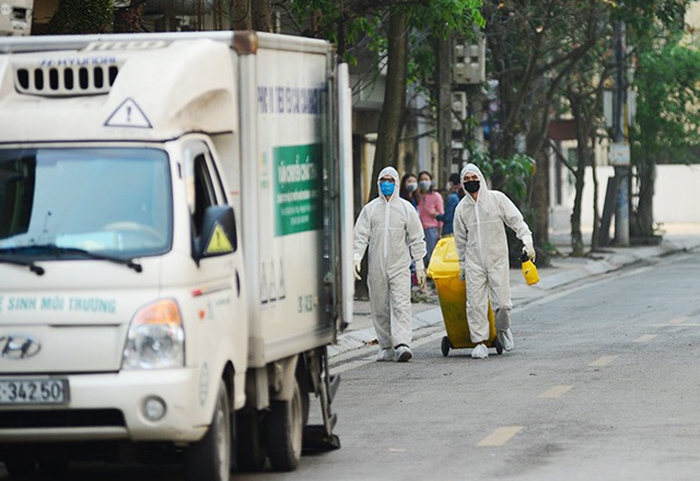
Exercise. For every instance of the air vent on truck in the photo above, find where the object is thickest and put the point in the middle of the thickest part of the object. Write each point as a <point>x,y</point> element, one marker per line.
<point>65,80</point>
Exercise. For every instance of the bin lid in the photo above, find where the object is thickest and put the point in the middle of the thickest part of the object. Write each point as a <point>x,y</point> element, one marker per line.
<point>444,261</point>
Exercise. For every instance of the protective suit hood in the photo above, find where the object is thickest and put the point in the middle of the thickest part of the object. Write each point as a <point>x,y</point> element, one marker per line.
<point>392,172</point>
<point>473,168</point>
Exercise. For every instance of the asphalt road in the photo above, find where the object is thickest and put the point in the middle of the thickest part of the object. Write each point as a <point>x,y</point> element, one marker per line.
<point>602,385</point>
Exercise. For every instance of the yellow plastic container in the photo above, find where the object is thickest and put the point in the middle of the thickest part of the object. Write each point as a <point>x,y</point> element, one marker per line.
<point>452,294</point>
<point>530,272</point>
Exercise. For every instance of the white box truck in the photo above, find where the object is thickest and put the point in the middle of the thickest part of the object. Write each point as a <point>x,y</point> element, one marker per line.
<point>175,229</point>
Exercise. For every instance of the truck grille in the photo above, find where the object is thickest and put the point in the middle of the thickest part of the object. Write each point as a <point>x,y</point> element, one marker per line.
<point>69,418</point>
<point>64,81</point>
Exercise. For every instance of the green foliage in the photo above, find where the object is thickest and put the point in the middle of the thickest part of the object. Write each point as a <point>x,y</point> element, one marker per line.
<point>422,60</point>
<point>448,16</point>
<point>82,16</point>
<point>509,174</point>
<point>645,15</point>
<point>361,24</point>
<point>442,18</point>
<point>668,120</point>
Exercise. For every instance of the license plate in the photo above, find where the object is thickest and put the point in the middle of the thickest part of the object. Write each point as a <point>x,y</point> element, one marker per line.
<point>34,391</point>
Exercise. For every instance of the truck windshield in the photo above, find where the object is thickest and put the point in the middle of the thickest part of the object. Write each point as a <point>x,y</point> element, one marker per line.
<point>111,201</point>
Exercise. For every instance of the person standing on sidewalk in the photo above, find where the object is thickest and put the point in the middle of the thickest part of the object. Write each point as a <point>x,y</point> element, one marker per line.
<point>456,192</point>
<point>409,185</point>
<point>482,247</point>
<point>391,227</point>
<point>430,206</point>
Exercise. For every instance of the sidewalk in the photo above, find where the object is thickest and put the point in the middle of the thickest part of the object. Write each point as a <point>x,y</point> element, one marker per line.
<point>564,270</point>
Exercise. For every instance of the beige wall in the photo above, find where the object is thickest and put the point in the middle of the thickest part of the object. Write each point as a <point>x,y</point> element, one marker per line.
<point>676,197</point>
<point>692,16</point>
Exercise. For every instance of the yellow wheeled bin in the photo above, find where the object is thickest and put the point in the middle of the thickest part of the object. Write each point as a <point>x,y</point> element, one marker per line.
<point>452,294</point>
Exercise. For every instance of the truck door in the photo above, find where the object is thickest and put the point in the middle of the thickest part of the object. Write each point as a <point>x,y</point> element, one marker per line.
<point>217,296</point>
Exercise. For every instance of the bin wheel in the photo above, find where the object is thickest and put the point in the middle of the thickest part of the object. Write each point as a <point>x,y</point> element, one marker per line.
<point>445,346</point>
<point>497,345</point>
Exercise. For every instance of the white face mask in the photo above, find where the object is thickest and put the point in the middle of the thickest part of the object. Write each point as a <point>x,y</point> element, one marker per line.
<point>411,186</point>
<point>424,185</point>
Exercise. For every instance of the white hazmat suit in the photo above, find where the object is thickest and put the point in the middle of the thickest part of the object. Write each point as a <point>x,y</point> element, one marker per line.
<point>482,247</point>
<point>392,229</point>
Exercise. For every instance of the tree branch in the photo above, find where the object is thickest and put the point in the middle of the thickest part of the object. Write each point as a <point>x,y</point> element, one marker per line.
<point>561,157</point>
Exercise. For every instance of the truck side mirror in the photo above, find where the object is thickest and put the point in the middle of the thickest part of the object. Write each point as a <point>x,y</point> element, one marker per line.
<point>218,233</point>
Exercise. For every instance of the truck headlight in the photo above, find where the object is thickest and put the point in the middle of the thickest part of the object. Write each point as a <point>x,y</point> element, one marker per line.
<point>156,337</point>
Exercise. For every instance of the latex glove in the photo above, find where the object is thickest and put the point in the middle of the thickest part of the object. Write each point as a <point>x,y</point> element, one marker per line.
<point>461,274</point>
<point>357,267</point>
<point>420,272</point>
<point>530,251</point>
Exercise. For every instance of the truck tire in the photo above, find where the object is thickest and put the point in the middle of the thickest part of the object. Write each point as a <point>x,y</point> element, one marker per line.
<point>209,459</point>
<point>285,431</point>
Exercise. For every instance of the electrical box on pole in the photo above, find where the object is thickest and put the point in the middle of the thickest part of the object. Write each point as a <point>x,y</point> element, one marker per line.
<point>16,17</point>
<point>469,62</point>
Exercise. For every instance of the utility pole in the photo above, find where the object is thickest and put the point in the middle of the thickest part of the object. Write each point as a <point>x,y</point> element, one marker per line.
<point>619,150</point>
<point>468,74</point>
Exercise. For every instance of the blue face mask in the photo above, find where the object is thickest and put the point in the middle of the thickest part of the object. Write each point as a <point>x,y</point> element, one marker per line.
<point>387,188</point>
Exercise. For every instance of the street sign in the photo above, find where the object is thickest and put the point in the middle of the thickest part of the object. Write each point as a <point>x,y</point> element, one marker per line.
<point>619,154</point>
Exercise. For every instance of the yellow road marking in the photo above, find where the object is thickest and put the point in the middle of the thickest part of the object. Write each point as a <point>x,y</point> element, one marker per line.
<point>603,361</point>
<point>645,338</point>
<point>500,436</point>
<point>556,392</point>
<point>678,320</point>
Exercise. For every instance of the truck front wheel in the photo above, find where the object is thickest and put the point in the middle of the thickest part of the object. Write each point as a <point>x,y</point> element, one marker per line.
<point>209,459</point>
<point>284,432</point>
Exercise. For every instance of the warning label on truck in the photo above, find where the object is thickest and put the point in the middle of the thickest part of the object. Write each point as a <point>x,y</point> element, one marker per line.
<point>297,188</point>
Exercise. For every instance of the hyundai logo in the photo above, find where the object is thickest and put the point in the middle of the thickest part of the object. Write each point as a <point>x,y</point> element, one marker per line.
<point>18,346</point>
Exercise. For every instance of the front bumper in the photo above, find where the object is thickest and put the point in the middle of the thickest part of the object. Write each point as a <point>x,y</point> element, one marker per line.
<point>110,407</point>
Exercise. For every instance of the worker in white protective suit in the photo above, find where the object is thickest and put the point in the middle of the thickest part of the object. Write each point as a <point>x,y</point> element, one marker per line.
<point>391,227</point>
<point>482,247</point>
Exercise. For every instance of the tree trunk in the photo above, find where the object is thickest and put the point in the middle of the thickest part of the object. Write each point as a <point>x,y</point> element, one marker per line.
<point>642,220</point>
<point>262,15</point>
<point>595,236</point>
<point>540,198</point>
<point>582,109</point>
<point>535,148</point>
<point>576,235</point>
<point>128,19</point>
<point>242,15</point>
<point>389,131</point>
